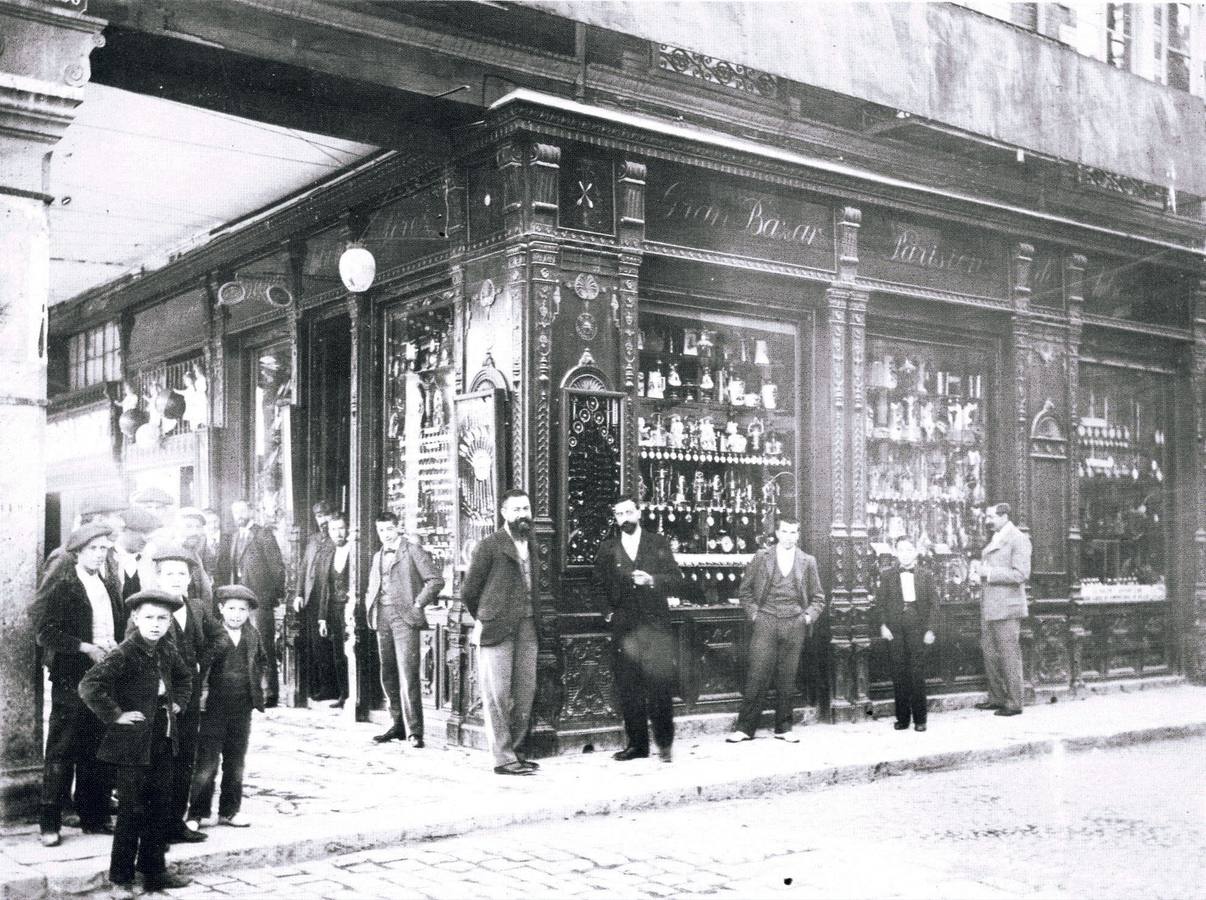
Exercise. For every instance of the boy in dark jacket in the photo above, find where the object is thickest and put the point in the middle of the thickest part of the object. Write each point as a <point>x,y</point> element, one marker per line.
<point>906,601</point>
<point>230,691</point>
<point>137,691</point>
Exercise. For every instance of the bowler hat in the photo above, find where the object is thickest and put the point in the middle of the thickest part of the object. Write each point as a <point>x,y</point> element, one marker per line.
<point>138,519</point>
<point>86,534</point>
<point>236,592</point>
<point>153,595</point>
<point>174,551</point>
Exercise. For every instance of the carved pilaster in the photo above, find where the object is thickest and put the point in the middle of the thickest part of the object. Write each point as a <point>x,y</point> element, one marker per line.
<point>849,221</point>
<point>1194,653</point>
<point>632,203</point>
<point>544,177</point>
<point>455,226</point>
<point>626,322</point>
<point>215,370</point>
<point>509,160</point>
<point>1023,256</point>
<point>1074,272</point>
<point>546,303</point>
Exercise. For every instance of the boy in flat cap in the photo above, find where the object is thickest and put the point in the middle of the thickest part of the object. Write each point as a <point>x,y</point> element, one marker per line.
<point>230,691</point>
<point>194,631</point>
<point>137,691</point>
<point>76,623</point>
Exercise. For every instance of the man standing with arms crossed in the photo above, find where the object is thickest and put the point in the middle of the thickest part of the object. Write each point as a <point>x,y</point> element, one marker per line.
<point>1003,570</point>
<point>499,593</point>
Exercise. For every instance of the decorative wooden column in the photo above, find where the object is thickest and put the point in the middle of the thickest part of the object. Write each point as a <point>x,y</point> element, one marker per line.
<point>1074,274</point>
<point>1193,622</point>
<point>850,564</point>
<point>540,259</point>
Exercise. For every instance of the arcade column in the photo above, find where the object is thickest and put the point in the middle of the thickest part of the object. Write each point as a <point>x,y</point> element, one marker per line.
<point>44,48</point>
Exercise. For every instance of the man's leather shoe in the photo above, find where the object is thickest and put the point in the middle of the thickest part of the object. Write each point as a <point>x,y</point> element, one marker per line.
<point>164,881</point>
<point>630,753</point>
<point>665,754</point>
<point>513,768</point>
<point>395,733</point>
<point>900,726</point>
<point>1006,711</point>
<point>920,726</point>
<point>51,839</point>
<point>271,702</point>
<point>529,764</point>
<point>97,828</point>
<point>416,741</point>
<point>184,835</point>
<point>338,704</point>
<point>988,704</point>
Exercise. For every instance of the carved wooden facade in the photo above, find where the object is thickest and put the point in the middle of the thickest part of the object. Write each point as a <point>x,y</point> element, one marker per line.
<point>561,229</point>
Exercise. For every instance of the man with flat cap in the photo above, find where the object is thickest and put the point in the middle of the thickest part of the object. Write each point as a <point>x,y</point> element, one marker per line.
<point>133,569</point>
<point>251,557</point>
<point>76,626</point>
<point>137,691</point>
<point>194,631</point>
<point>190,529</point>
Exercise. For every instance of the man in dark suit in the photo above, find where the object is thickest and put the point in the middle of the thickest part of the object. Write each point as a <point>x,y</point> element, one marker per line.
<point>250,557</point>
<point>499,591</point>
<point>327,590</point>
<point>403,581</point>
<point>635,573</point>
<point>314,664</point>
<point>906,601</point>
<point>1003,569</point>
<point>75,623</point>
<point>782,595</point>
<point>193,632</point>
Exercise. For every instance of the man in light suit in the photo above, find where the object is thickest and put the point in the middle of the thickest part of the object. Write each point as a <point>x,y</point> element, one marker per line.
<point>403,580</point>
<point>635,573</point>
<point>782,595</point>
<point>499,591</point>
<point>251,557</point>
<point>1003,570</point>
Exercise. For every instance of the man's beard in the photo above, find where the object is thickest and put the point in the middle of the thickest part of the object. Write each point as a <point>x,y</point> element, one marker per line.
<point>628,527</point>
<point>522,527</point>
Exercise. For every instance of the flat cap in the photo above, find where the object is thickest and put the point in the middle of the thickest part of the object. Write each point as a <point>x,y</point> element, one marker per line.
<point>138,519</point>
<point>86,534</point>
<point>190,512</point>
<point>151,495</point>
<point>102,504</point>
<point>153,595</point>
<point>174,551</point>
<point>236,592</point>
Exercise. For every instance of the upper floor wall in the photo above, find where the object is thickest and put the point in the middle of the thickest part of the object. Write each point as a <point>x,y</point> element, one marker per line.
<point>949,65</point>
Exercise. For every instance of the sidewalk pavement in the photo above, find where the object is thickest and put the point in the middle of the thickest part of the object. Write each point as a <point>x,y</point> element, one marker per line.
<point>316,785</point>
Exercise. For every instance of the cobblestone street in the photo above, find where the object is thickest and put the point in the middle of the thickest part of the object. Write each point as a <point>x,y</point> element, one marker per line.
<point>1125,823</point>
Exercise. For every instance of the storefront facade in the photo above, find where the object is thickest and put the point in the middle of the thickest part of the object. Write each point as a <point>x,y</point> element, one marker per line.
<point>584,303</point>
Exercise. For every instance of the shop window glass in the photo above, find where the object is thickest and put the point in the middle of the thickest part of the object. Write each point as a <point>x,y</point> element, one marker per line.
<point>926,408</point>
<point>1124,485</point>
<point>419,466</point>
<point>272,387</point>
<point>94,356</point>
<point>718,416</point>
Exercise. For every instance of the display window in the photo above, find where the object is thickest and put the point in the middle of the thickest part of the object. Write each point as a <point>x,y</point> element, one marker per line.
<point>1124,483</point>
<point>718,440</point>
<point>418,463</point>
<point>271,445</point>
<point>926,411</point>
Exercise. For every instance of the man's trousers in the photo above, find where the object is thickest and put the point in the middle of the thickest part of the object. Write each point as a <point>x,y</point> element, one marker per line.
<point>643,664</point>
<point>72,739</point>
<point>398,645</point>
<point>507,677</point>
<point>909,657</point>
<point>999,639</point>
<point>775,645</point>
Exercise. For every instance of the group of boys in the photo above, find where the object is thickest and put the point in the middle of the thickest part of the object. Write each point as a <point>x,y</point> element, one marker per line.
<point>154,674</point>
